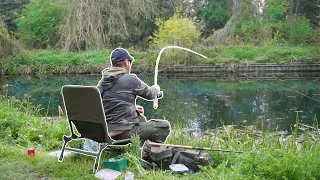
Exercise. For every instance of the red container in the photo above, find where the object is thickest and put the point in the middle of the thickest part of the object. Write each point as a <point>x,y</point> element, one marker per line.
<point>31,152</point>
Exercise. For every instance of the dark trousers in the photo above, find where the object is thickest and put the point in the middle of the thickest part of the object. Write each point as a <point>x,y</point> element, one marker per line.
<point>155,130</point>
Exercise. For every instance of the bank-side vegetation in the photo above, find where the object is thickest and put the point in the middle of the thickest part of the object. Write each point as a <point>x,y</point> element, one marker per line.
<point>267,155</point>
<point>76,36</point>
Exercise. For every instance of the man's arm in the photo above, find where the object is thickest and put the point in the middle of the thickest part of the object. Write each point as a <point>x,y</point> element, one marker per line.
<point>143,90</point>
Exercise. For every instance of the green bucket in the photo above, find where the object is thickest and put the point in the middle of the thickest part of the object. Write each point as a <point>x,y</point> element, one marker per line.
<point>118,163</point>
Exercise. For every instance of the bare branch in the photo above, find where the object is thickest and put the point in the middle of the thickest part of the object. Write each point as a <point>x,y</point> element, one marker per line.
<point>225,30</point>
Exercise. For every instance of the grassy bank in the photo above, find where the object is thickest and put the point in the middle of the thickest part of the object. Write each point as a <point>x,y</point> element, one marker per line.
<point>21,125</point>
<point>56,62</point>
<point>275,157</point>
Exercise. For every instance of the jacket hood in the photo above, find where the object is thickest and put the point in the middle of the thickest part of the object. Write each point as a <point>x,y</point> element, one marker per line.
<point>110,76</point>
<point>113,71</point>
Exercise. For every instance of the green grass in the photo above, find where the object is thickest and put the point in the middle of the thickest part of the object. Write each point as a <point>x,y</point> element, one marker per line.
<point>266,54</point>
<point>20,124</point>
<point>57,62</point>
<point>267,155</point>
<point>15,164</point>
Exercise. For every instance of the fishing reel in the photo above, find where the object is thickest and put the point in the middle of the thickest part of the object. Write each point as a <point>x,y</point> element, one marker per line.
<point>160,95</point>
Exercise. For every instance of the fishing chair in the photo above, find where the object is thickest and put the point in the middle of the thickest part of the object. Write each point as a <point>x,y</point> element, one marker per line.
<point>85,114</point>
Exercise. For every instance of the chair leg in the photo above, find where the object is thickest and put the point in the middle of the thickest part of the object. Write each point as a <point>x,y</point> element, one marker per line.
<point>65,141</point>
<point>96,163</point>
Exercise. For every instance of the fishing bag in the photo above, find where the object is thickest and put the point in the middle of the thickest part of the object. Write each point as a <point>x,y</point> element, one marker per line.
<point>164,156</point>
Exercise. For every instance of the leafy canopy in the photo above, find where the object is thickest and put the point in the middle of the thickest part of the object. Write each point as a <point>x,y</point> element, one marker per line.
<point>275,11</point>
<point>214,14</point>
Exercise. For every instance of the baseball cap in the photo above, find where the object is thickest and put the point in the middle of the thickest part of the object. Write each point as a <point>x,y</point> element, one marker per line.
<point>121,54</point>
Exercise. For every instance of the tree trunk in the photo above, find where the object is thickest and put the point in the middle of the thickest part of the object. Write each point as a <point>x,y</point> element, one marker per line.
<point>221,33</point>
<point>291,29</point>
<point>6,43</point>
<point>297,6</point>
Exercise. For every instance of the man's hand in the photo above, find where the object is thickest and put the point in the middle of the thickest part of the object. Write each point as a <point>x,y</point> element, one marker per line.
<point>140,109</point>
<point>156,86</point>
<point>160,94</point>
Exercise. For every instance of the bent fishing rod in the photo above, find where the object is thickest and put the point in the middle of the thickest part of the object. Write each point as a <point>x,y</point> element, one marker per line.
<point>155,101</point>
<point>192,147</point>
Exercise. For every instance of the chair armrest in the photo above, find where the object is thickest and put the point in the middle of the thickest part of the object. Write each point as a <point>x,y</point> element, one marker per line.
<point>121,142</point>
<point>114,133</point>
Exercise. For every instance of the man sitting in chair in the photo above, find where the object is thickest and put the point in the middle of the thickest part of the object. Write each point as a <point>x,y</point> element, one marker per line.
<point>119,90</point>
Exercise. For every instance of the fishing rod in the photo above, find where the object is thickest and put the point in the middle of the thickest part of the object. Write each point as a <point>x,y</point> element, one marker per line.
<point>208,149</point>
<point>284,87</point>
<point>155,101</point>
<point>192,147</point>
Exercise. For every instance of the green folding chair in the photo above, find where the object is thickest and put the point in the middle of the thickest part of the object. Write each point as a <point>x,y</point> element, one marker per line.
<point>85,114</point>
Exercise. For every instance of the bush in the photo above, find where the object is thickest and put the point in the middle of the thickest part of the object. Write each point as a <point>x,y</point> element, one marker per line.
<point>297,30</point>
<point>175,31</point>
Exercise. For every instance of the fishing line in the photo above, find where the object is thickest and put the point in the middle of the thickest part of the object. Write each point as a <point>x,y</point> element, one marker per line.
<point>155,101</point>
<point>282,87</point>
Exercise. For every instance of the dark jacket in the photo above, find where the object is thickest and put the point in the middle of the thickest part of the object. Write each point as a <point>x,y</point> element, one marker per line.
<point>119,90</point>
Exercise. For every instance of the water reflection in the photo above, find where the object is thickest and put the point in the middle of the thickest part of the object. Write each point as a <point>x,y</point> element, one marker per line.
<point>198,103</point>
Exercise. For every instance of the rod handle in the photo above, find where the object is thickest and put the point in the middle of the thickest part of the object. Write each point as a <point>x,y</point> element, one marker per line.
<point>155,103</point>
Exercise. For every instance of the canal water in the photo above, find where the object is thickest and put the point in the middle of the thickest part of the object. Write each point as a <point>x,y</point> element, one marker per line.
<point>198,103</point>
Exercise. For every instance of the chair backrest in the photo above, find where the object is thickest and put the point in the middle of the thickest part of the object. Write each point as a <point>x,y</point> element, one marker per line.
<point>85,110</point>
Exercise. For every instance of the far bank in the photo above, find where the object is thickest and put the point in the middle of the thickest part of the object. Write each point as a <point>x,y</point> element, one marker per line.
<point>222,58</point>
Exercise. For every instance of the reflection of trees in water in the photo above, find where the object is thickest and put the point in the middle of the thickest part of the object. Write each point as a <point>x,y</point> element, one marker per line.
<point>250,103</point>
<point>179,105</point>
<point>45,90</point>
<point>286,103</point>
<point>309,105</point>
<point>198,103</point>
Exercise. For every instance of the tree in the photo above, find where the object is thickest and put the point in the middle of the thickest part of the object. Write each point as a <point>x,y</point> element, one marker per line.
<point>214,15</point>
<point>5,50</point>
<point>259,21</point>
<point>40,21</point>
<point>167,8</point>
<point>95,24</point>
<point>297,30</point>
<point>274,11</point>
<point>83,28</point>
<point>7,45</point>
<point>310,9</point>
<point>222,33</point>
<point>9,9</point>
<point>273,17</point>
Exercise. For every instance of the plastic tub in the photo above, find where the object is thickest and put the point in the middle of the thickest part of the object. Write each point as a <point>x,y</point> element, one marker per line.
<point>118,163</point>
